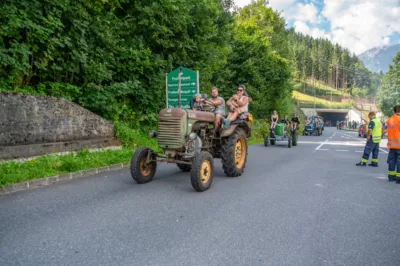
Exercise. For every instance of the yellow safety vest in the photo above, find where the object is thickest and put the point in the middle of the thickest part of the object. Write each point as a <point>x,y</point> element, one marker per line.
<point>376,131</point>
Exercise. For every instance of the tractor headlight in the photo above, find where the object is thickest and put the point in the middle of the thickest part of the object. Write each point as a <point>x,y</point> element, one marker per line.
<point>192,136</point>
<point>153,134</point>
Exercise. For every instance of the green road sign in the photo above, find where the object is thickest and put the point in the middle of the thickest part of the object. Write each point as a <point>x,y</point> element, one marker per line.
<point>189,85</point>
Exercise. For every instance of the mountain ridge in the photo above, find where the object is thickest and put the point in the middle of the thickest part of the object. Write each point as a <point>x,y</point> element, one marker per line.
<point>379,58</point>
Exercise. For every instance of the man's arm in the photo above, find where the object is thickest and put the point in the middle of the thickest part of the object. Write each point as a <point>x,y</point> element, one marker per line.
<point>229,102</point>
<point>218,102</point>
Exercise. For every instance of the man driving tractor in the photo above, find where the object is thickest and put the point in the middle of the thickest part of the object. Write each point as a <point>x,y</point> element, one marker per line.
<point>219,104</point>
<point>217,101</point>
<point>295,122</point>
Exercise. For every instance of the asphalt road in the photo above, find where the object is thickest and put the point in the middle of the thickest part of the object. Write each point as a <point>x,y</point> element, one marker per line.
<point>307,205</point>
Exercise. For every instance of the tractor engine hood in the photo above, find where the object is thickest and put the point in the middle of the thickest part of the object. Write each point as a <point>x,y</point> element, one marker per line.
<point>201,116</point>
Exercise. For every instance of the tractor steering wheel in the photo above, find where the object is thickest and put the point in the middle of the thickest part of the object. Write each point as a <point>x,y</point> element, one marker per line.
<point>210,104</point>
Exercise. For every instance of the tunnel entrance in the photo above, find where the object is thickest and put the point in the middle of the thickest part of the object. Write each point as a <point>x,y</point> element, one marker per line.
<point>333,116</point>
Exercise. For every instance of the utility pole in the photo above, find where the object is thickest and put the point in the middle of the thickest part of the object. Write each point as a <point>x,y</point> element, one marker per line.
<point>313,85</point>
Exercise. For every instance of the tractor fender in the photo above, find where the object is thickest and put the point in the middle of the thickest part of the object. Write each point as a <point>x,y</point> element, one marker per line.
<point>228,131</point>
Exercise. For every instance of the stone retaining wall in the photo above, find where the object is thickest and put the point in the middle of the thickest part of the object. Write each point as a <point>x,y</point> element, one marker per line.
<point>32,125</point>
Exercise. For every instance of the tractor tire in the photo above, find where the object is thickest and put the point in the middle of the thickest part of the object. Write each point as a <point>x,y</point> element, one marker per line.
<point>234,153</point>
<point>184,167</point>
<point>141,172</point>
<point>294,139</point>
<point>266,141</point>
<point>202,172</point>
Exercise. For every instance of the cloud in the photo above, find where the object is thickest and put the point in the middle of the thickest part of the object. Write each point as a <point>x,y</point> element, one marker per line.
<point>362,24</point>
<point>355,24</point>
<point>302,27</point>
<point>275,4</point>
<point>279,5</point>
<point>303,12</point>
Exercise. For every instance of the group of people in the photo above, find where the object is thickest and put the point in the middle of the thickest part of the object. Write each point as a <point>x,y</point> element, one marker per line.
<point>293,123</point>
<point>373,141</point>
<point>238,106</point>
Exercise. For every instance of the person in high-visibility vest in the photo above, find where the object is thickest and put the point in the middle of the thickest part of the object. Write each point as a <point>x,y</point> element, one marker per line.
<point>393,133</point>
<point>373,140</point>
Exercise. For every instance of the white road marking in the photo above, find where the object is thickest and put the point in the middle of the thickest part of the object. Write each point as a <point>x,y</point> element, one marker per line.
<point>337,143</point>
<point>359,151</point>
<point>382,177</point>
<point>323,149</point>
<point>342,150</point>
<point>319,185</point>
<point>382,150</point>
<point>317,148</point>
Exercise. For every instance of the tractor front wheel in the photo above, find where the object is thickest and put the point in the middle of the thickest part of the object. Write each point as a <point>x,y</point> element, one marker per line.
<point>201,174</point>
<point>294,138</point>
<point>143,165</point>
<point>266,141</point>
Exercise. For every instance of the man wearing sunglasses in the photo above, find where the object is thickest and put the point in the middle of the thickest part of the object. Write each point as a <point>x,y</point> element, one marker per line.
<point>238,105</point>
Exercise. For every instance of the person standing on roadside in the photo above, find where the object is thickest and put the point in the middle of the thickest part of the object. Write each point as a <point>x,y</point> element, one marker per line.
<point>373,140</point>
<point>393,133</point>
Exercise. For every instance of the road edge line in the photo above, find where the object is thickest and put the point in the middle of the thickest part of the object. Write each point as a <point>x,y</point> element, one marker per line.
<point>51,180</point>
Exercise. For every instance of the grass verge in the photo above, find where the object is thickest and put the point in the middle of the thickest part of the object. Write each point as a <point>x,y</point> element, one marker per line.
<point>305,99</point>
<point>51,165</point>
<point>319,87</point>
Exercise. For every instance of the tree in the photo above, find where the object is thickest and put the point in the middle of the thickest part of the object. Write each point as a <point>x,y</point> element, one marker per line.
<point>389,91</point>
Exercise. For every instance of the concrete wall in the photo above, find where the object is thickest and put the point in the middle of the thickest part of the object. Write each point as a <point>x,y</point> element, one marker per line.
<point>354,115</point>
<point>308,111</point>
<point>32,120</point>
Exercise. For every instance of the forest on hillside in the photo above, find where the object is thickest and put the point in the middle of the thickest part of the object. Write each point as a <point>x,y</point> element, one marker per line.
<point>389,92</point>
<point>111,56</point>
<point>333,65</point>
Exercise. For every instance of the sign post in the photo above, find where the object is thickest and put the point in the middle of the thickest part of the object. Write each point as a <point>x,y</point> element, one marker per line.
<point>182,85</point>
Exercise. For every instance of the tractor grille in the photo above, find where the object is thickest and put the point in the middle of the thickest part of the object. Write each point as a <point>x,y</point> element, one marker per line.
<point>169,132</point>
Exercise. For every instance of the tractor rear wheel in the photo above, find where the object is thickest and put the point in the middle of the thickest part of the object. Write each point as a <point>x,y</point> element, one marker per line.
<point>234,153</point>
<point>141,171</point>
<point>201,174</point>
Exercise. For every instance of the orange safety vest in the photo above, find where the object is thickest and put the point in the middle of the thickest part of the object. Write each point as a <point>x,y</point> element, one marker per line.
<point>393,131</point>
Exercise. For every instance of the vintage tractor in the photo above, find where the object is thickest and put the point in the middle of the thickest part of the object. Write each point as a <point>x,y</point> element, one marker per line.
<point>281,134</point>
<point>189,140</point>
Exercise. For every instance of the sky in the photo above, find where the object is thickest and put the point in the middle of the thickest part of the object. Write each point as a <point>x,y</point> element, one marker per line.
<point>358,25</point>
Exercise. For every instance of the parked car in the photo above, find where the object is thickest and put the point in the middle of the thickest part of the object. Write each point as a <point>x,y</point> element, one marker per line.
<point>362,131</point>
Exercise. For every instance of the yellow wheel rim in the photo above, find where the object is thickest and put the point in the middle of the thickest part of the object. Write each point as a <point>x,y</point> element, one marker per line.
<point>145,170</point>
<point>205,172</point>
<point>240,152</point>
